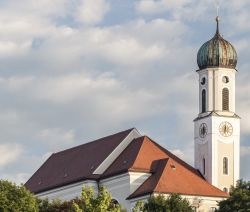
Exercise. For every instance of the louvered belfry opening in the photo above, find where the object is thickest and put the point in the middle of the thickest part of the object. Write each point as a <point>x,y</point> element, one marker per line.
<point>225,99</point>
<point>225,165</point>
<point>204,166</point>
<point>203,97</point>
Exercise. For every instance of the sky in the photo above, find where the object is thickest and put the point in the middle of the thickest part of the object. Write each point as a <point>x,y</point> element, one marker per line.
<point>72,71</point>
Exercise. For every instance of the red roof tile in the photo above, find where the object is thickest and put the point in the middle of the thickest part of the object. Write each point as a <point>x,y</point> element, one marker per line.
<point>133,157</point>
<point>169,173</point>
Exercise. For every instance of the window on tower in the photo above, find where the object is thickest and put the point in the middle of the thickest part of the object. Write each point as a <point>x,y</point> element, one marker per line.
<point>225,190</point>
<point>203,81</point>
<point>204,166</point>
<point>203,97</point>
<point>225,165</point>
<point>225,99</point>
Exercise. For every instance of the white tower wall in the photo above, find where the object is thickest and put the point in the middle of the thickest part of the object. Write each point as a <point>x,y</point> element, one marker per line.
<point>221,140</point>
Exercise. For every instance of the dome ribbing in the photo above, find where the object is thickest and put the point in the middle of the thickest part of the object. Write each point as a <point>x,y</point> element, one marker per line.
<point>217,52</point>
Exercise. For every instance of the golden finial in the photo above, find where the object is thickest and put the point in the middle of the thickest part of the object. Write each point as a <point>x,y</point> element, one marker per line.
<point>218,21</point>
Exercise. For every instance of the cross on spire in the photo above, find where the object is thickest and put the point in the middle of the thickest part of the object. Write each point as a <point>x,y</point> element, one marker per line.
<point>218,28</point>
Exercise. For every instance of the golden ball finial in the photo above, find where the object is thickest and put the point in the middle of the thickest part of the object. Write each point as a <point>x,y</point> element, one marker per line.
<point>217,19</point>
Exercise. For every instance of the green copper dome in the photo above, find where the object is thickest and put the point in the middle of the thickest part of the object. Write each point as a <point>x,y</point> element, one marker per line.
<point>217,52</point>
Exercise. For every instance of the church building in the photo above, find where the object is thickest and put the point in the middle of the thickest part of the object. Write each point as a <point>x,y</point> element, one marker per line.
<point>133,166</point>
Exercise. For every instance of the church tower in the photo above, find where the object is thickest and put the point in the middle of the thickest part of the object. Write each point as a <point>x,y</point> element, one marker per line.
<point>217,127</point>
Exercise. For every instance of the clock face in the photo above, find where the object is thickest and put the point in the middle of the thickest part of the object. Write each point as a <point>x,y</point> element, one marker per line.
<point>226,129</point>
<point>203,130</point>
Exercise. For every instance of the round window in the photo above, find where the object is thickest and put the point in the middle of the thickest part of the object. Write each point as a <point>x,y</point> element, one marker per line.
<point>203,81</point>
<point>225,79</point>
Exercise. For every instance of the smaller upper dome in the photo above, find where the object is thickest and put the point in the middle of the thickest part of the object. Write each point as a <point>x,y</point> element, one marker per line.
<point>217,52</point>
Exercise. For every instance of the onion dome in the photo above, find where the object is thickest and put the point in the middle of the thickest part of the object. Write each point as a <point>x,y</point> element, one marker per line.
<point>217,52</point>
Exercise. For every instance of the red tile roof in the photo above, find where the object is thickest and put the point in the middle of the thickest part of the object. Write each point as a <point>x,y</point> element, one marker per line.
<point>135,157</point>
<point>171,177</point>
<point>74,164</point>
<point>169,173</point>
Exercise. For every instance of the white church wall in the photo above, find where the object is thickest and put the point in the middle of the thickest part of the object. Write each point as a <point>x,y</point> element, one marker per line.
<point>68,192</point>
<point>203,148</point>
<point>214,85</point>
<point>226,147</point>
<point>214,147</point>
<point>119,187</point>
<point>122,186</point>
<point>203,203</point>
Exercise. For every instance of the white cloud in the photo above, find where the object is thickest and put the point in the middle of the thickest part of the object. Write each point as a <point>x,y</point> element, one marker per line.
<point>64,78</point>
<point>9,153</point>
<point>17,178</point>
<point>91,12</point>
<point>56,139</point>
<point>15,84</point>
<point>158,6</point>
<point>10,48</point>
<point>186,155</point>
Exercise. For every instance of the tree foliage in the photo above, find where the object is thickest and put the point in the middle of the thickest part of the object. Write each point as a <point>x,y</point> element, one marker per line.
<point>159,203</point>
<point>239,199</point>
<point>100,203</point>
<point>56,206</point>
<point>16,198</point>
<point>87,202</point>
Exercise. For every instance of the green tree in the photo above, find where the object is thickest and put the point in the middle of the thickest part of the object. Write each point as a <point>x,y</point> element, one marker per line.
<point>16,198</point>
<point>88,202</point>
<point>159,203</point>
<point>55,206</point>
<point>239,199</point>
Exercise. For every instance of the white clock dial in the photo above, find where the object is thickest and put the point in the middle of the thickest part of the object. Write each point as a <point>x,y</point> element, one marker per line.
<point>226,129</point>
<point>203,130</point>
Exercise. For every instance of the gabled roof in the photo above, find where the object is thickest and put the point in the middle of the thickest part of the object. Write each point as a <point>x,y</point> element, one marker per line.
<point>138,156</point>
<point>171,177</point>
<point>169,173</point>
<point>74,164</point>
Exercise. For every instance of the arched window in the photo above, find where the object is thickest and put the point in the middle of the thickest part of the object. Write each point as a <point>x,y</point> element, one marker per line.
<point>203,99</point>
<point>225,165</point>
<point>225,99</point>
<point>204,166</point>
<point>225,190</point>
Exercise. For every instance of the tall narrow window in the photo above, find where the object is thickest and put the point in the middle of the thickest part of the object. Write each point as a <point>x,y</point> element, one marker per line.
<point>203,98</point>
<point>204,166</point>
<point>225,99</point>
<point>225,165</point>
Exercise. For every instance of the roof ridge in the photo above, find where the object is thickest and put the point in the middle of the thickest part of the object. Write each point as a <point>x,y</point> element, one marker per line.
<point>96,140</point>
<point>105,175</point>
